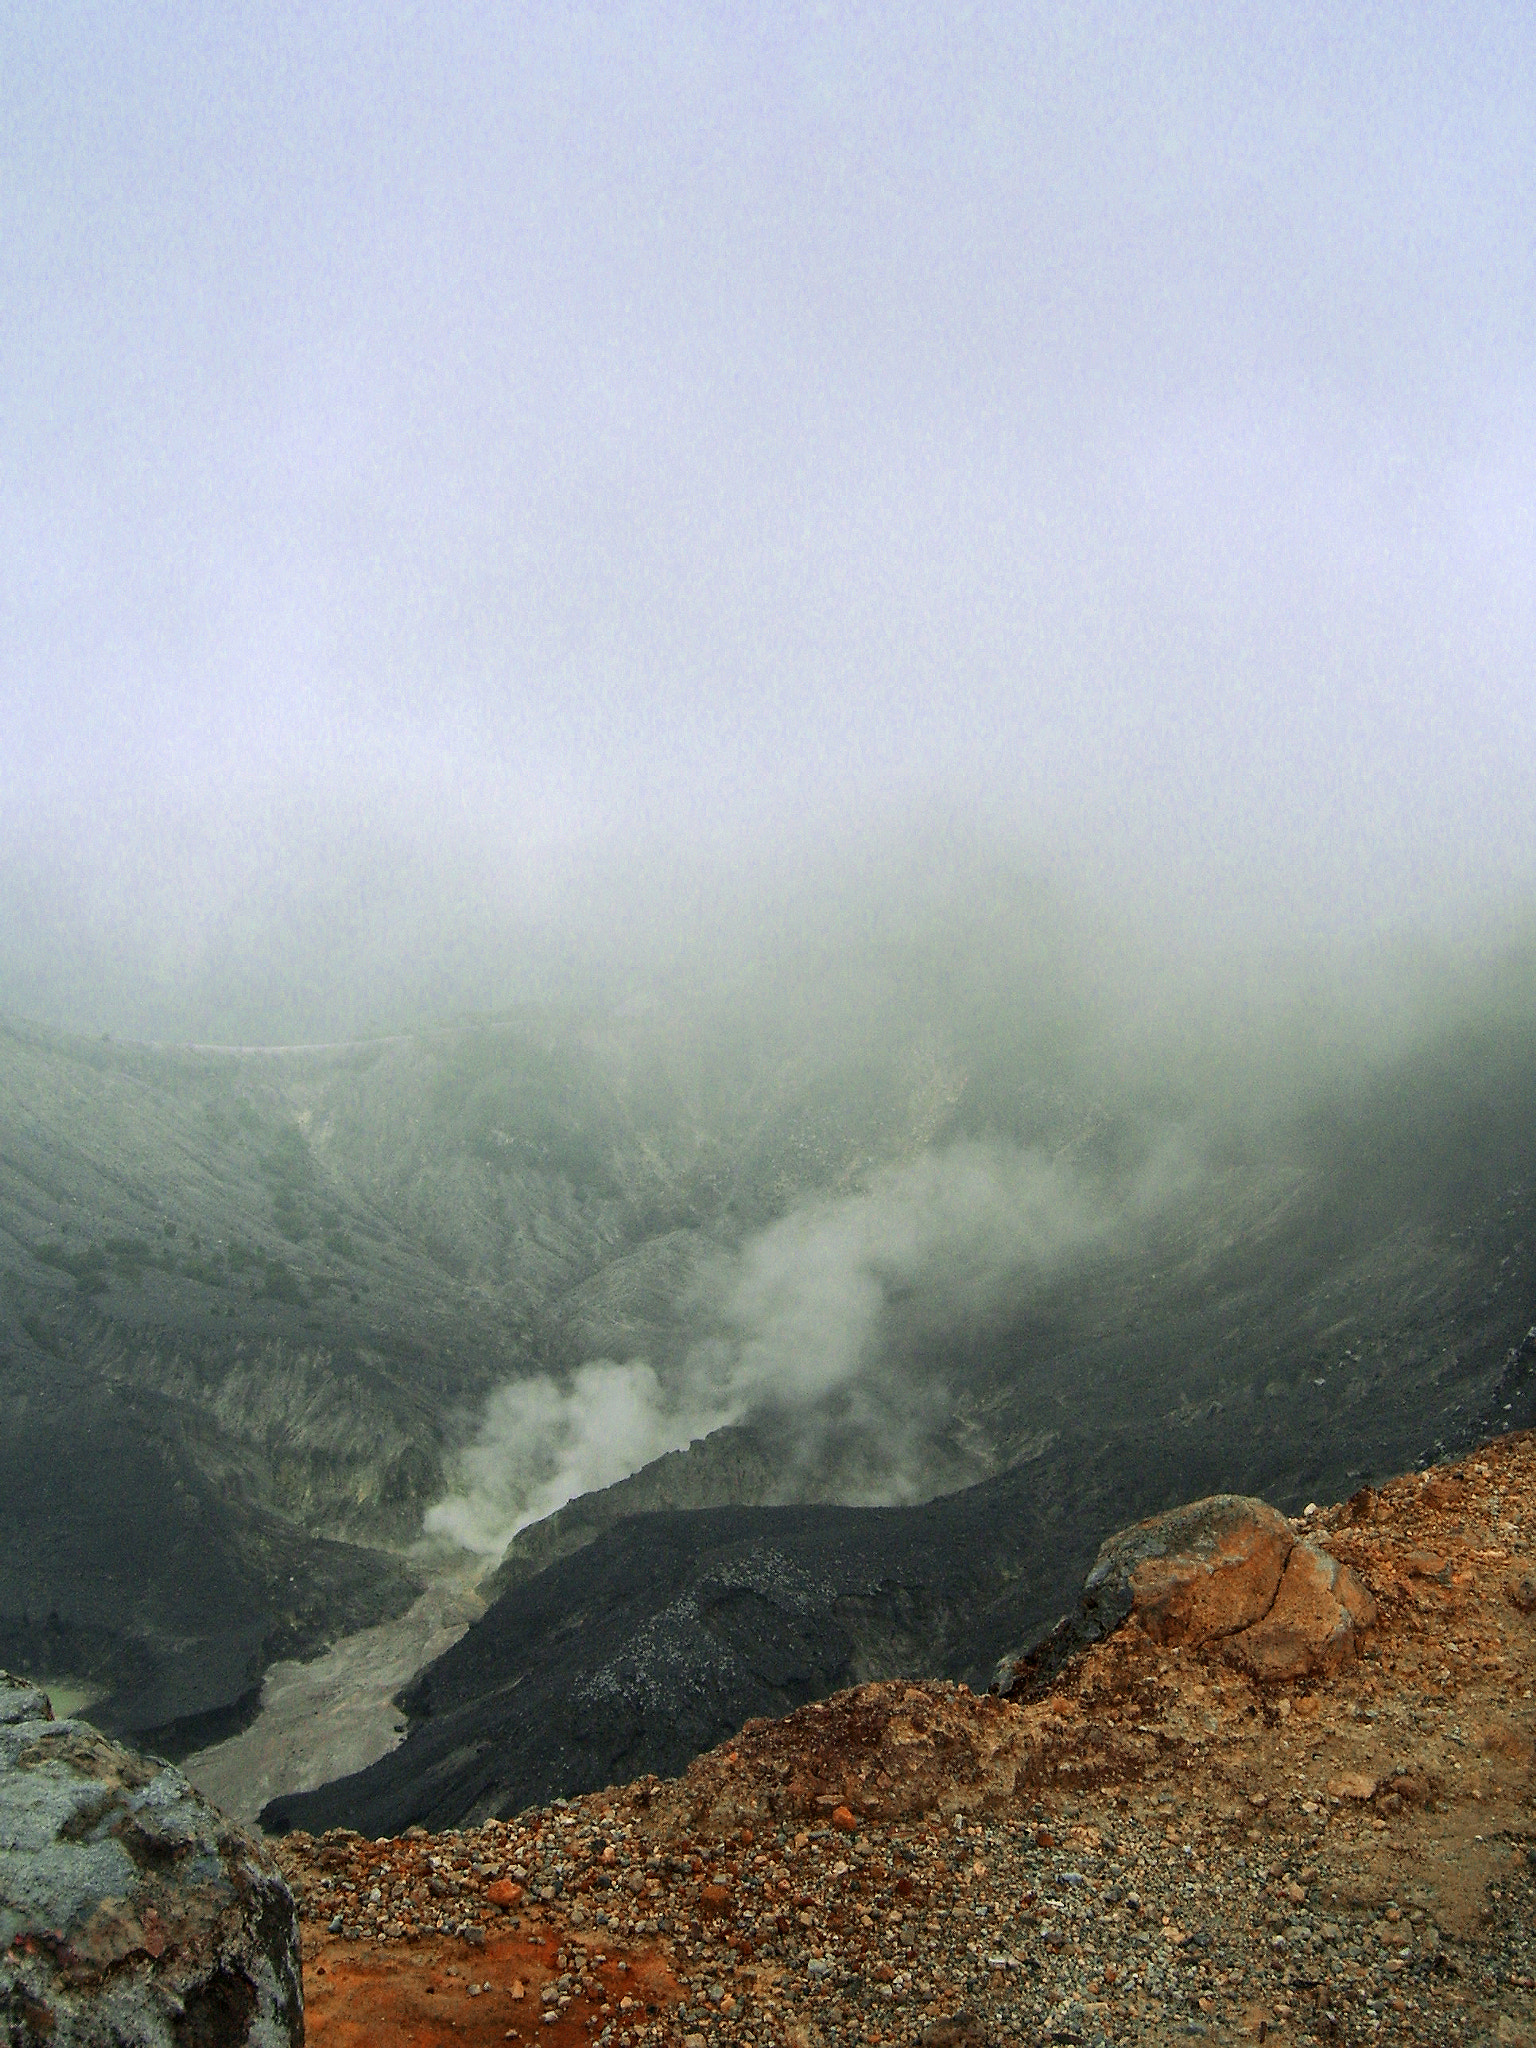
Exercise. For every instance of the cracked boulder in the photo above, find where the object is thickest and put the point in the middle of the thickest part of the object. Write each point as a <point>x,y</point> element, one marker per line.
<point>1202,1571</point>
<point>1227,1571</point>
<point>132,1914</point>
<point>1311,1627</point>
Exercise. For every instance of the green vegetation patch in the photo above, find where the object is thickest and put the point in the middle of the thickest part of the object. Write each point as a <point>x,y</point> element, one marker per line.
<point>42,1336</point>
<point>87,1268</point>
<point>288,1168</point>
<point>288,1164</point>
<point>206,1272</point>
<point>130,1255</point>
<point>289,1218</point>
<point>281,1283</point>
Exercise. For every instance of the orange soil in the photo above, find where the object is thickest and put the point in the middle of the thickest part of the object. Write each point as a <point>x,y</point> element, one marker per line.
<point>357,1994</point>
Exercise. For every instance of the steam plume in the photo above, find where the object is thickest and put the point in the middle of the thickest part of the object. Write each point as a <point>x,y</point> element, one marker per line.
<point>795,1324</point>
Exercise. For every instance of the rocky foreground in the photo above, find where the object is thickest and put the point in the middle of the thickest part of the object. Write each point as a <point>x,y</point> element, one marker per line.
<point>1273,1781</point>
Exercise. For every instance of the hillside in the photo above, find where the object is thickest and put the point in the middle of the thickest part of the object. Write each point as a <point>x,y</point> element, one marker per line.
<point>1376,1312</point>
<point>866,1253</point>
<point>1160,1848</point>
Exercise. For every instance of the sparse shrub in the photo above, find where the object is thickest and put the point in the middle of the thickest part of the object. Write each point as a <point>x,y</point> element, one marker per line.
<point>87,1268</point>
<point>282,1284</point>
<point>287,1163</point>
<point>289,1219</point>
<point>130,1255</point>
<point>42,1336</point>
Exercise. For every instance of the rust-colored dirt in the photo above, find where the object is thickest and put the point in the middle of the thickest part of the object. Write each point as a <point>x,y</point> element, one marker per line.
<point>357,1994</point>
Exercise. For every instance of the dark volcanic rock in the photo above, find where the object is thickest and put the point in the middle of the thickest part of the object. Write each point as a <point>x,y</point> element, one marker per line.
<point>670,1630</point>
<point>132,1914</point>
<point>663,1636</point>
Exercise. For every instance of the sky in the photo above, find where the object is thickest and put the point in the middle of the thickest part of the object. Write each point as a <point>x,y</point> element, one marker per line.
<point>456,461</point>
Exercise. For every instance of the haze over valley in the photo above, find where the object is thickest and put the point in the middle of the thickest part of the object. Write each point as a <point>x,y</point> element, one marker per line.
<point>767,842</point>
<point>291,1336</point>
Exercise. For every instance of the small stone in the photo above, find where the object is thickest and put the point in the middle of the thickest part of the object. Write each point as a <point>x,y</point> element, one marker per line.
<point>962,2029</point>
<point>21,1700</point>
<point>1443,1491</point>
<point>1352,1785</point>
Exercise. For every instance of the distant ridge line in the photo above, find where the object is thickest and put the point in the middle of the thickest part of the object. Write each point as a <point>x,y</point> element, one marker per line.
<point>426,1031</point>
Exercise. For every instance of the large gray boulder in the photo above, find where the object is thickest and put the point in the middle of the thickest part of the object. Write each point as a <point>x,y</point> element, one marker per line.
<point>132,1913</point>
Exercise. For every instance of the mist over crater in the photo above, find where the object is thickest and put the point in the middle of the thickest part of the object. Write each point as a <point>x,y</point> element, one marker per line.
<point>773,765</point>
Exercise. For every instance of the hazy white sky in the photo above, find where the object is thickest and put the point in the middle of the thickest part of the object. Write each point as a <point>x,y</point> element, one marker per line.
<point>440,435</point>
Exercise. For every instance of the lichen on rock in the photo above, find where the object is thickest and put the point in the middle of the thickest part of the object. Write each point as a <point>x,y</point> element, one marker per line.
<point>131,1912</point>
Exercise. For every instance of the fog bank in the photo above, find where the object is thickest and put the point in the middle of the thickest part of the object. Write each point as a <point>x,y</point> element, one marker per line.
<point>458,460</point>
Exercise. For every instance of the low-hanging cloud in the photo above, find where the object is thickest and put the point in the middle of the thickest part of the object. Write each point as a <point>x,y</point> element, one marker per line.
<point>795,1325</point>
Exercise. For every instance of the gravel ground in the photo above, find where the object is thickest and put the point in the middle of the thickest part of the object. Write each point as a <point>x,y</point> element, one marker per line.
<point>1160,1850</point>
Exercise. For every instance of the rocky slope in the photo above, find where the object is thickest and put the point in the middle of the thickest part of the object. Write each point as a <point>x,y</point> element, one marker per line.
<point>656,1640</point>
<point>1168,1841</point>
<point>271,1293</point>
<point>666,1631</point>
